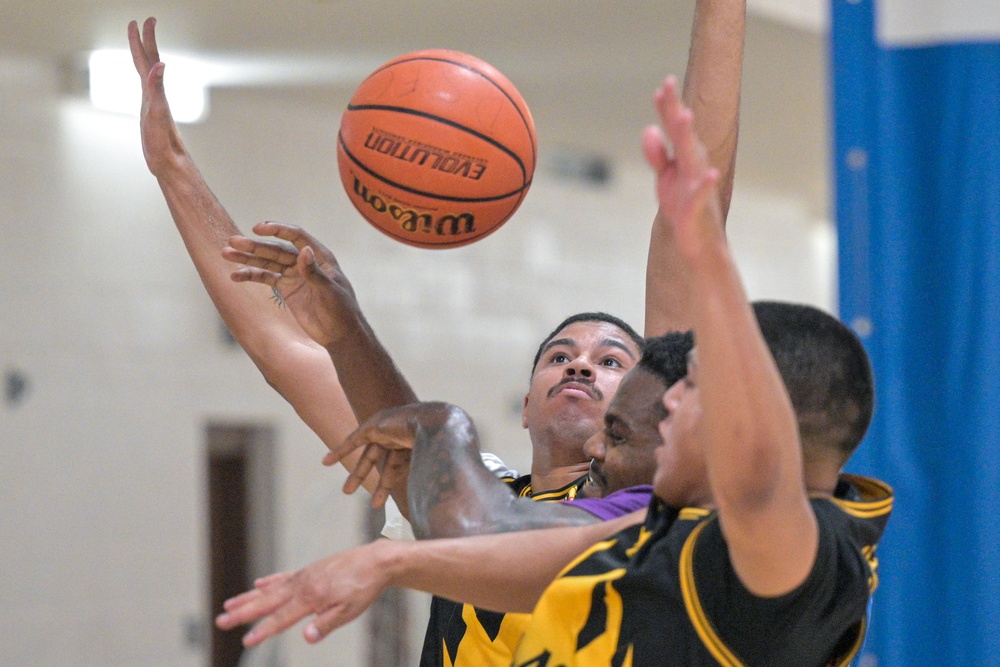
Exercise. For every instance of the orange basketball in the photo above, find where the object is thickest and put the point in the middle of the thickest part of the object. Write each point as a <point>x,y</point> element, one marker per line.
<point>436,149</point>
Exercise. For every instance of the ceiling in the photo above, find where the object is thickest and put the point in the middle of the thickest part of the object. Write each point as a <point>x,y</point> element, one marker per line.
<point>586,67</point>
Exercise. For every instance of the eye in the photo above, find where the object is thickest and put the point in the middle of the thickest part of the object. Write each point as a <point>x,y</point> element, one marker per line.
<point>614,438</point>
<point>559,358</point>
<point>612,362</point>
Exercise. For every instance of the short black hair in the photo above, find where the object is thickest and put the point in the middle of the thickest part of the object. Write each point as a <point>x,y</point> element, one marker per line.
<point>826,371</point>
<point>588,317</point>
<point>666,356</point>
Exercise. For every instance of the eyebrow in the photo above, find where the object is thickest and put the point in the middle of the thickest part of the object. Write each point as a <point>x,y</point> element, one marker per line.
<point>607,342</point>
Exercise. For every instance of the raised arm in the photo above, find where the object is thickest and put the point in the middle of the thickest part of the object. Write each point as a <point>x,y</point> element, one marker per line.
<point>488,571</point>
<point>300,369</point>
<point>451,492</point>
<point>712,91</point>
<point>747,430</point>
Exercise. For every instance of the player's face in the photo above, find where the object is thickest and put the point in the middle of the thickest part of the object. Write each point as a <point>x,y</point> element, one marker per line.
<point>681,478</point>
<point>623,453</point>
<point>576,376</point>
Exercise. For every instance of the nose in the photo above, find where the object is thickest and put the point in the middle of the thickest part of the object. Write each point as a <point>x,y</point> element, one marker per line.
<point>672,396</point>
<point>594,447</point>
<point>580,366</point>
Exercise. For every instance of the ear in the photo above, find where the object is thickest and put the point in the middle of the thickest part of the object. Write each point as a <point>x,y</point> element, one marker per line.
<point>524,413</point>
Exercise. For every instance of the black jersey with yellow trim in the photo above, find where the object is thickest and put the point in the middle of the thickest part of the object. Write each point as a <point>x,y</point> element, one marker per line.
<point>665,593</point>
<point>460,635</point>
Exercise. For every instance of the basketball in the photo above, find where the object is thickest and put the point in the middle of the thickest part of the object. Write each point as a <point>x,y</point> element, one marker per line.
<point>436,149</point>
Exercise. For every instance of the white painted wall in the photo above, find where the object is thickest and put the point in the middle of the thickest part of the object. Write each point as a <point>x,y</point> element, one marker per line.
<point>102,507</point>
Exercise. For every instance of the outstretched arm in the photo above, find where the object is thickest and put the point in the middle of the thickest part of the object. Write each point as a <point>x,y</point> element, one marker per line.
<point>712,91</point>
<point>290,361</point>
<point>451,492</point>
<point>747,428</point>
<point>488,571</point>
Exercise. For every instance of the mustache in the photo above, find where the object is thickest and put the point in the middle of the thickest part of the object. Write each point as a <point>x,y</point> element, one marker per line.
<point>588,384</point>
<point>596,474</point>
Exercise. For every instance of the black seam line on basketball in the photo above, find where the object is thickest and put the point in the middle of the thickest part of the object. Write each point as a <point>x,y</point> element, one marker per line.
<point>445,121</point>
<point>422,193</point>
<point>439,59</point>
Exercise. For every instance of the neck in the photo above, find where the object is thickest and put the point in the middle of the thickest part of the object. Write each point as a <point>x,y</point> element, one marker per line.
<point>555,462</point>
<point>551,478</point>
<point>821,476</point>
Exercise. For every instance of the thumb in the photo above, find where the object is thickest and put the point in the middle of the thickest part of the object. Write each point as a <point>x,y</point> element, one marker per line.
<point>306,263</point>
<point>155,78</point>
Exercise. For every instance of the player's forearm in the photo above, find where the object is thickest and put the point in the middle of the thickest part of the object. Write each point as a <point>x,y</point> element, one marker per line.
<point>748,425</point>
<point>451,492</point>
<point>667,296</point>
<point>488,513</point>
<point>368,374</point>
<point>371,382</point>
<point>712,84</point>
<point>506,573</point>
<point>296,367</point>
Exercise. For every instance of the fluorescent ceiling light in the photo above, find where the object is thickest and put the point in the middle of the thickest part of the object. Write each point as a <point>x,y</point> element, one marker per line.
<point>115,86</point>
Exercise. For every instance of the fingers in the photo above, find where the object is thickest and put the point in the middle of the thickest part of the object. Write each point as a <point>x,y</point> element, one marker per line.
<point>654,148</point>
<point>263,262</point>
<point>307,265</point>
<point>239,257</point>
<point>145,53</point>
<point>271,579</point>
<point>688,151</point>
<point>380,497</point>
<point>393,474</point>
<point>678,123</point>
<point>294,234</point>
<point>276,623</point>
<point>248,607</point>
<point>149,39</point>
<point>355,440</point>
<point>249,274</point>
<point>274,251</point>
<point>324,623</point>
<point>396,468</point>
<point>274,601</point>
<point>146,58</point>
<point>139,58</point>
<point>704,191</point>
<point>247,259</point>
<point>372,457</point>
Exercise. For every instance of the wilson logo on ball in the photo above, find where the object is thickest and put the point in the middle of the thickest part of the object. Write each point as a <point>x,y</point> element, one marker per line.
<point>414,221</point>
<point>436,149</point>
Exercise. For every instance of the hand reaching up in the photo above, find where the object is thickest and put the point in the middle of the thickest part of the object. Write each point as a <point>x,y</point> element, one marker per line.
<point>303,271</point>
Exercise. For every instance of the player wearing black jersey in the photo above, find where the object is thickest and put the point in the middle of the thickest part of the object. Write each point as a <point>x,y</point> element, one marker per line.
<point>295,354</point>
<point>679,569</point>
<point>445,458</point>
<point>753,528</point>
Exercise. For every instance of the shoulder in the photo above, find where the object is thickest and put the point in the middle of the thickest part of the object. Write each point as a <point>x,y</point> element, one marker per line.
<point>859,509</point>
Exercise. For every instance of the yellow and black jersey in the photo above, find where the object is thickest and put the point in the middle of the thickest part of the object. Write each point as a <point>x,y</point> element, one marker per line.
<point>665,593</point>
<point>463,636</point>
